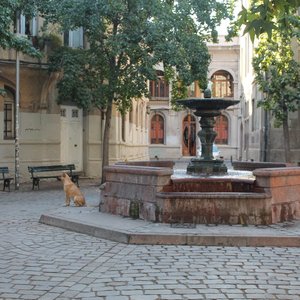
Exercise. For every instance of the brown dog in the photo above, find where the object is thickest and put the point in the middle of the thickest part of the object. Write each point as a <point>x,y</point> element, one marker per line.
<point>72,191</point>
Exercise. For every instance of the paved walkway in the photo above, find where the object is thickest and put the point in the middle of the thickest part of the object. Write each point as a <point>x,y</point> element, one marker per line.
<point>38,261</point>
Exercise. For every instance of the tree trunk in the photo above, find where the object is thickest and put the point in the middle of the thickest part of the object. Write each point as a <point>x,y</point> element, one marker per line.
<point>105,141</point>
<point>286,140</point>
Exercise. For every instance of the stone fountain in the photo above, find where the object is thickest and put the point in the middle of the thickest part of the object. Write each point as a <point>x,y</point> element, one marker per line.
<point>146,190</point>
<point>207,109</point>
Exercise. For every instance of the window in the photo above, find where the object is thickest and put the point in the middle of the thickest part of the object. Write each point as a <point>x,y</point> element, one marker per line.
<point>123,129</point>
<point>74,38</point>
<point>28,26</point>
<point>131,115</point>
<point>221,128</point>
<point>137,115</point>
<point>74,113</point>
<point>159,88</point>
<point>9,111</point>
<point>222,84</point>
<point>141,115</point>
<point>63,112</point>
<point>157,129</point>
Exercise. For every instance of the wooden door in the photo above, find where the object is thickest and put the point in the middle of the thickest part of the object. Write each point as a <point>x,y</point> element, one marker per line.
<point>189,136</point>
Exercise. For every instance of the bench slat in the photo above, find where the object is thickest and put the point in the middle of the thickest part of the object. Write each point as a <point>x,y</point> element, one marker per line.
<point>44,177</point>
<point>51,168</point>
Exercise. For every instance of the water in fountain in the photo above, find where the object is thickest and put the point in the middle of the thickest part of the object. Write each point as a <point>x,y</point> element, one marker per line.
<point>231,173</point>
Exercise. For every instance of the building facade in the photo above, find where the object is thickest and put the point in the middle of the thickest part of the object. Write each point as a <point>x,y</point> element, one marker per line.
<point>260,139</point>
<point>173,134</point>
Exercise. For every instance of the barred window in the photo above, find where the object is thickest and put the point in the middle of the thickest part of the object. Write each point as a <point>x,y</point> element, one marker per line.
<point>9,111</point>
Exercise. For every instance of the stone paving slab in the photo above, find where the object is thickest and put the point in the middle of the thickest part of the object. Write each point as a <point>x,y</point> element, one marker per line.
<point>89,220</point>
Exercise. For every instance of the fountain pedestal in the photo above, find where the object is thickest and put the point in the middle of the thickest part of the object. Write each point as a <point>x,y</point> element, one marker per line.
<point>207,109</point>
<point>206,167</point>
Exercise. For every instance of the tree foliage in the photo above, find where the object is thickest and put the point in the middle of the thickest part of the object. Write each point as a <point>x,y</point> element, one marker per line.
<point>278,76</point>
<point>266,16</point>
<point>127,39</point>
<point>9,11</point>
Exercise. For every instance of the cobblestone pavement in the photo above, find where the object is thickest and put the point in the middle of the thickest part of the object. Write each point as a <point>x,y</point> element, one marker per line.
<point>44,262</point>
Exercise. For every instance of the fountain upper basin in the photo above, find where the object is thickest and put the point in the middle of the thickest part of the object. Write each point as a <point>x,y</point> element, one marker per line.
<point>207,103</point>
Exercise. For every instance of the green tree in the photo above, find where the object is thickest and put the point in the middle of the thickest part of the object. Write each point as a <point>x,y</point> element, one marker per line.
<point>9,12</point>
<point>275,23</point>
<point>127,39</point>
<point>265,16</point>
<point>278,76</point>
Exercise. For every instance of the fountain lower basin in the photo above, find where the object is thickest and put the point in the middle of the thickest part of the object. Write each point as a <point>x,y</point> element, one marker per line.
<point>152,193</point>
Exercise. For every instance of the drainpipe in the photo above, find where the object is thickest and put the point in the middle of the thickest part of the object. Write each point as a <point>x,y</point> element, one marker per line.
<point>17,146</point>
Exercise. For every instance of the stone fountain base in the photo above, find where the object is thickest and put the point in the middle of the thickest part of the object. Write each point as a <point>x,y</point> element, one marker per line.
<point>151,194</point>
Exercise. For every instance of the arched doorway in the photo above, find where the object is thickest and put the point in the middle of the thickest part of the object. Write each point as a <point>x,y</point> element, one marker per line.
<point>189,136</point>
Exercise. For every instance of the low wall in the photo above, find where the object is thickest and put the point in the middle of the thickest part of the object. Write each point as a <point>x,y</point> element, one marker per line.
<point>284,186</point>
<point>149,193</point>
<point>253,165</point>
<point>131,191</point>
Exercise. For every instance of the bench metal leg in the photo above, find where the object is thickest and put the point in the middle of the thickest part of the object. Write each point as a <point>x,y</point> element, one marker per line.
<point>6,184</point>
<point>35,182</point>
<point>75,178</point>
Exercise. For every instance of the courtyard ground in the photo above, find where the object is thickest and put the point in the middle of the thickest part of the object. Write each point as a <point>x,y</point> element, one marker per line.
<point>38,261</point>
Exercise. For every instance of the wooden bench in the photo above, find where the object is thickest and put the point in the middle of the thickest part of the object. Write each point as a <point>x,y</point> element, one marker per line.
<point>6,180</point>
<point>53,171</point>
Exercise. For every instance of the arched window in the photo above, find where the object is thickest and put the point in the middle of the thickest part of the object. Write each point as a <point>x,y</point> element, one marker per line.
<point>157,135</point>
<point>137,115</point>
<point>141,116</point>
<point>222,84</point>
<point>9,114</point>
<point>123,130</point>
<point>159,88</point>
<point>221,128</point>
<point>131,115</point>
